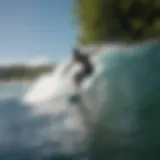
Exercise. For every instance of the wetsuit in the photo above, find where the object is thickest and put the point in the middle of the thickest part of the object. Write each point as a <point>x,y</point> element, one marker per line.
<point>86,71</point>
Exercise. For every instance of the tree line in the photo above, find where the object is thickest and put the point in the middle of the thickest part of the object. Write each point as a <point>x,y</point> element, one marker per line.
<point>123,20</point>
<point>19,72</point>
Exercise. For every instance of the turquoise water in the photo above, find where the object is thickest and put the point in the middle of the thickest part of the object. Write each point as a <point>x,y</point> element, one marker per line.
<point>126,95</point>
<point>128,125</point>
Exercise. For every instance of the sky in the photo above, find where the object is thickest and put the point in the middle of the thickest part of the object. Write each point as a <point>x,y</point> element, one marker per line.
<point>36,29</point>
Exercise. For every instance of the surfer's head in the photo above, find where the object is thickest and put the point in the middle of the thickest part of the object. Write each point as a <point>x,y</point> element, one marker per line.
<point>77,56</point>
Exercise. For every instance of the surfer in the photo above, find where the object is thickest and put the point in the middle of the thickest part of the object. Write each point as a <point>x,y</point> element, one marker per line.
<point>87,69</point>
<point>83,59</point>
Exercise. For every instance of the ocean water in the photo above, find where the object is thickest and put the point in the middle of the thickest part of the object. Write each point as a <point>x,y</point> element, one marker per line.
<point>26,134</point>
<point>123,94</point>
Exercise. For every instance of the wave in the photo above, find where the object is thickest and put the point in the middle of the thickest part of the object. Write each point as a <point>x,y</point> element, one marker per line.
<point>123,94</point>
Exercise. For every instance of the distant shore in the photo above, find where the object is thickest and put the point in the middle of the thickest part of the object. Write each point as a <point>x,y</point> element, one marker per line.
<point>16,81</point>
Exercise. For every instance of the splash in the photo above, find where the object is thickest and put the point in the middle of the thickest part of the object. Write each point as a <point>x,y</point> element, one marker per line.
<point>60,83</point>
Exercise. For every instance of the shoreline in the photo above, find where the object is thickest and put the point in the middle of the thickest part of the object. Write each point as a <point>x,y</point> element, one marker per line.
<point>16,81</point>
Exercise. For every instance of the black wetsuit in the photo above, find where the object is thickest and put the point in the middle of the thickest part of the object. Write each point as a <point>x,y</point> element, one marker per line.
<point>86,71</point>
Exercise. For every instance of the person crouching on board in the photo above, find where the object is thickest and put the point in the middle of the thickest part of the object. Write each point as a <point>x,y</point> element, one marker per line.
<point>87,67</point>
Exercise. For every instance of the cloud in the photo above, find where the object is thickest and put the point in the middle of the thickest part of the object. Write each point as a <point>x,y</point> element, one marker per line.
<point>30,62</point>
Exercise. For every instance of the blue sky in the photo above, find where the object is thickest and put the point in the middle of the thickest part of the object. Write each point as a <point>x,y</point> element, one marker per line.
<point>36,28</point>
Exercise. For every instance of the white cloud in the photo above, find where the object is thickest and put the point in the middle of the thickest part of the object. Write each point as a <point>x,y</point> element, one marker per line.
<point>30,62</point>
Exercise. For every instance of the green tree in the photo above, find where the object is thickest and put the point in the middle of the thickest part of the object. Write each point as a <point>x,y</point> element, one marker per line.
<point>23,72</point>
<point>102,20</point>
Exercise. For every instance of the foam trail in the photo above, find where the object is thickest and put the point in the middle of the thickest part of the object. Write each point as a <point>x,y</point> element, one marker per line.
<point>49,95</point>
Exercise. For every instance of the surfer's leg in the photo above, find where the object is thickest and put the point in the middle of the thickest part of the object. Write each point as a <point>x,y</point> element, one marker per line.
<point>79,77</point>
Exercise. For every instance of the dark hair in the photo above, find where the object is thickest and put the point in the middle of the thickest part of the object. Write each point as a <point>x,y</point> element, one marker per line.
<point>76,51</point>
